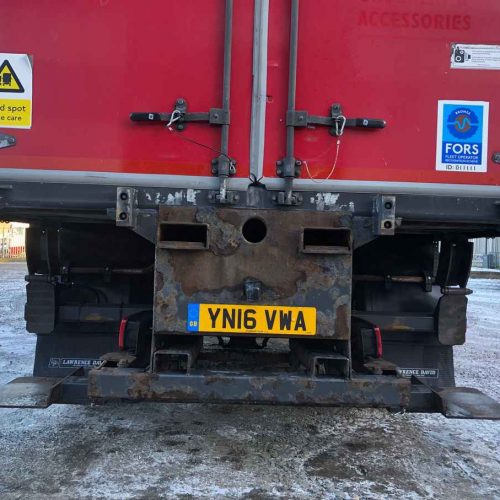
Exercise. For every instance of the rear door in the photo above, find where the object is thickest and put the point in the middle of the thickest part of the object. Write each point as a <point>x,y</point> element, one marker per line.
<point>96,61</point>
<point>388,60</point>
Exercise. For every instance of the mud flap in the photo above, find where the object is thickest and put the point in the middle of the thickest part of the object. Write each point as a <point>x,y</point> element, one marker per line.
<point>33,392</point>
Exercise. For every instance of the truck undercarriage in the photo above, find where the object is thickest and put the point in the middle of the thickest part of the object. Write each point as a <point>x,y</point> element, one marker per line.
<point>387,276</point>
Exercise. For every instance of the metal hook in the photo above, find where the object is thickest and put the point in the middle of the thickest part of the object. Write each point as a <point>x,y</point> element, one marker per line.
<point>175,116</point>
<point>341,119</point>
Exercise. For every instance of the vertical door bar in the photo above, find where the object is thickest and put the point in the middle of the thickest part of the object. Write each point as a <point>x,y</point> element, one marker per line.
<point>288,168</point>
<point>226,85</point>
<point>225,165</point>
<point>292,75</point>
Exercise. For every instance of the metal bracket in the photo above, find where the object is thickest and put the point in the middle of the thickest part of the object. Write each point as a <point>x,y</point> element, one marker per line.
<point>127,214</point>
<point>126,207</point>
<point>223,166</point>
<point>455,262</point>
<point>230,198</point>
<point>219,116</point>
<point>384,215</point>
<point>456,291</point>
<point>320,362</point>
<point>281,198</point>
<point>34,392</point>
<point>179,357</point>
<point>428,282</point>
<point>462,402</point>
<point>7,141</point>
<point>288,167</point>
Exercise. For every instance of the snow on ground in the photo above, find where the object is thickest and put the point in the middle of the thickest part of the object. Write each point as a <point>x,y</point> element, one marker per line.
<point>249,452</point>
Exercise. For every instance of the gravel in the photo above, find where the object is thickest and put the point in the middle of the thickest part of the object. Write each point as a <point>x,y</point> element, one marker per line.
<point>251,452</point>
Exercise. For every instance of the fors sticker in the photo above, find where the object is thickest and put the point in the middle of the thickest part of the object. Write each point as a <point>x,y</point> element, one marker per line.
<point>462,141</point>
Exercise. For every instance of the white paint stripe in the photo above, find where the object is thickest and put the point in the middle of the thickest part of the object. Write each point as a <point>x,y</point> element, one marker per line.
<point>259,93</point>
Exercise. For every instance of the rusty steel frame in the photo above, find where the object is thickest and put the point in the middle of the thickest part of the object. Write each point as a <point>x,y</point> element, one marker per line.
<point>105,384</point>
<point>218,273</point>
<point>260,388</point>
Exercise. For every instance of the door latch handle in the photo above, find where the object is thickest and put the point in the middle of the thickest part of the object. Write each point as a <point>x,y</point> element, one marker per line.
<point>215,116</point>
<point>372,123</point>
<point>304,119</point>
<point>365,123</point>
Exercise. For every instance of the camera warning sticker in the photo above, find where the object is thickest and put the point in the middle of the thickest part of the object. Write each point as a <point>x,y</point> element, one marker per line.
<point>16,90</point>
<point>462,136</point>
<point>465,56</point>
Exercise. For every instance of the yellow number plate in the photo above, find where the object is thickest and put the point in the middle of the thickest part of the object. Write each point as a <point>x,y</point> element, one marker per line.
<point>274,320</point>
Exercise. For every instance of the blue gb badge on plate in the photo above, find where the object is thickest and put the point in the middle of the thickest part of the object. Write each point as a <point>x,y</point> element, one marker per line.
<point>462,140</point>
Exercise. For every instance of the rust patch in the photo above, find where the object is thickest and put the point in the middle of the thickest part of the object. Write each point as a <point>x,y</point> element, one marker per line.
<point>158,281</point>
<point>342,327</point>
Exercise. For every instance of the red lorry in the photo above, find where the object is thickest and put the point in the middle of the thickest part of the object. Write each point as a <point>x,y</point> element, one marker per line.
<point>250,201</point>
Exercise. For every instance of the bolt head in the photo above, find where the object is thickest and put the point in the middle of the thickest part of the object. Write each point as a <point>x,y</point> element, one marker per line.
<point>123,196</point>
<point>11,140</point>
<point>214,171</point>
<point>279,163</point>
<point>279,171</point>
<point>298,163</point>
<point>180,126</point>
<point>123,216</point>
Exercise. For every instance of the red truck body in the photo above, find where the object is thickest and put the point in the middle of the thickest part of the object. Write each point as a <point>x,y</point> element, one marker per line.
<point>97,61</point>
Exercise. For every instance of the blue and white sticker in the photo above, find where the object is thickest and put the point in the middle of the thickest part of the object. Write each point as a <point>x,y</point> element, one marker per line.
<point>462,141</point>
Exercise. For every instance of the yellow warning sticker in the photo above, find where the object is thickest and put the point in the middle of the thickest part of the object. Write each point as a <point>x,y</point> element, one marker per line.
<point>16,90</point>
<point>15,113</point>
<point>9,82</point>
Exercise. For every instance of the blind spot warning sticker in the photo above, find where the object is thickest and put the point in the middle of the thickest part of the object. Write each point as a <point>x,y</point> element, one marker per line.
<point>16,90</point>
<point>462,136</point>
